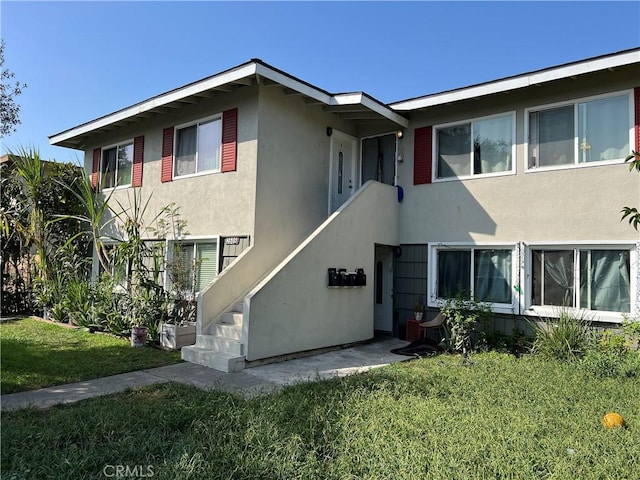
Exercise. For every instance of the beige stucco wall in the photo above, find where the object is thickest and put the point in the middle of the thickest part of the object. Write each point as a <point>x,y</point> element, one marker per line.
<point>293,168</point>
<point>293,310</point>
<point>291,192</point>
<point>211,204</point>
<point>574,204</point>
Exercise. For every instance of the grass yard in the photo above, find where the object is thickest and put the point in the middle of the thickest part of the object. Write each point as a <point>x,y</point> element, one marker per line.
<point>432,418</point>
<point>36,354</point>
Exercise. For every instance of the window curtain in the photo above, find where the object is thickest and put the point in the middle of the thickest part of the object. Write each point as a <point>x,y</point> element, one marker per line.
<point>125,160</point>
<point>454,151</point>
<point>603,129</point>
<point>555,132</point>
<point>209,138</point>
<point>454,272</point>
<point>492,272</point>
<point>186,151</point>
<point>605,280</point>
<point>109,168</point>
<point>492,141</point>
<point>558,278</point>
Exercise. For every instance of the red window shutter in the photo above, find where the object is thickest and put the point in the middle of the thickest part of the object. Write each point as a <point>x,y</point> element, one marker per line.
<point>229,140</point>
<point>636,95</point>
<point>95,168</point>
<point>422,156</point>
<point>138,159</point>
<point>166,174</point>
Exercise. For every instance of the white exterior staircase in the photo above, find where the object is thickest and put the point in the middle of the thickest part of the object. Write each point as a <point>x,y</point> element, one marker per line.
<point>220,345</point>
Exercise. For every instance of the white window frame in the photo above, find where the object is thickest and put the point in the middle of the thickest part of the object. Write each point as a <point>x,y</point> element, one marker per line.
<point>195,240</point>
<point>576,136</point>
<point>432,286</point>
<point>598,315</point>
<point>116,146</point>
<point>434,146</point>
<point>175,146</point>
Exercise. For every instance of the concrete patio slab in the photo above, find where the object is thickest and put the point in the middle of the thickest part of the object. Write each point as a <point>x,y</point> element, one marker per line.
<point>337,363</point>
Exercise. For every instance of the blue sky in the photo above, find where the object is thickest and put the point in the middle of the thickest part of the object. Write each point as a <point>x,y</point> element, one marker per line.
<point>82,60</point>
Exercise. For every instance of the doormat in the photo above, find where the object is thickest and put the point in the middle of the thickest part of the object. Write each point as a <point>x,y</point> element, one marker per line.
<point>418,348</point>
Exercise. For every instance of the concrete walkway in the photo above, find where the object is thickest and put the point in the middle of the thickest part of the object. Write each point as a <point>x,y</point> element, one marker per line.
<point>251,381</point>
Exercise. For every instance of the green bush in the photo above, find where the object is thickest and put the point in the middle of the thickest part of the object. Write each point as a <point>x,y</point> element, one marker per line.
<point>77,302</point>
<point>565,338</point>
<point>463,314</point>
<point>516,343</point>
<point>611,356</point>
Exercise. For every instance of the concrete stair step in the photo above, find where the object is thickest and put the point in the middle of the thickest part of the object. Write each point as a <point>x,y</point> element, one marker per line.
<point>231,318</point>
<point>207,357</point>
<point>238,307</point>
<point>220,344</point>
<point>225,330</point>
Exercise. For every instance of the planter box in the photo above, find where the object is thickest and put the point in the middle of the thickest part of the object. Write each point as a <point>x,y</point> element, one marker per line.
<point>177,336</point>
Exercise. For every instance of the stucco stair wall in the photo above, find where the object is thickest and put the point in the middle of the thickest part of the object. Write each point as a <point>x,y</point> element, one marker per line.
<point>294,310</point>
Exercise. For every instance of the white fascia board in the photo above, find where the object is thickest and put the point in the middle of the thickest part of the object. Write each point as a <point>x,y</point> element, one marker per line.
<point>202,86</point>
<point>359,98</point>
<point>385,112</point>
<point>333,100</point>
<point>293,84</point>
<point>520,82</point>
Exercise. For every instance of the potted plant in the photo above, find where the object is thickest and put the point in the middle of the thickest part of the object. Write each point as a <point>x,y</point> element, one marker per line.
<point>418,309</point>
<point>179,328</point>
<point>138,330</point>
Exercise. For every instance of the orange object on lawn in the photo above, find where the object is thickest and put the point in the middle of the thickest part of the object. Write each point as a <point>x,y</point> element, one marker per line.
<point>613,419</point>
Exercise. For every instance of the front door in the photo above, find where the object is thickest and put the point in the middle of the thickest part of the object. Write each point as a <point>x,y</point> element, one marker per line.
<point>383,290</point>
<point>342,181</point>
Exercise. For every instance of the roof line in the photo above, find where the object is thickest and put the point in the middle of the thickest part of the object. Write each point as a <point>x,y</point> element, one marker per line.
<point>157,101</point>
<point>623,57</point>
<point>253,67</point>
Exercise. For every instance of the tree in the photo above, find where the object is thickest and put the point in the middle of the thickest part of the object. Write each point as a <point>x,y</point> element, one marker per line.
<point>9,89</point>
<point>632,212</point>
<point>34,194</point>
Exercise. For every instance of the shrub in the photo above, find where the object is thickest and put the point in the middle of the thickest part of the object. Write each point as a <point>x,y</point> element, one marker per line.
<point>462,313</point>
<point>516,343</point>
<point>565,338</point>
<point>77,302</point>
<point>611,356</point>
<point>631,328</point>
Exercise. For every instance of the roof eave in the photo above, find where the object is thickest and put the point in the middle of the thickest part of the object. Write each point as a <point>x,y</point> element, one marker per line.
<point>73,138</point>
<point>243,71</point>
<point>520,81</point>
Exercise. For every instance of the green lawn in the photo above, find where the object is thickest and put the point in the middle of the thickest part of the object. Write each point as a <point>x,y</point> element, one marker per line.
<point>433,418</point>
<point>36,354</point>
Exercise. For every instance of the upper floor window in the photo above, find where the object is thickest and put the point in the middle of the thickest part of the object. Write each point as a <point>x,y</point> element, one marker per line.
<point>580,132</point>
<point>198,147</point>
<point>115,168</point>
<point>478,147</point>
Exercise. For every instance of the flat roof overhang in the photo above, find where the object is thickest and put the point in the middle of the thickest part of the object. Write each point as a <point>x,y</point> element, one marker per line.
<point>358,107</point>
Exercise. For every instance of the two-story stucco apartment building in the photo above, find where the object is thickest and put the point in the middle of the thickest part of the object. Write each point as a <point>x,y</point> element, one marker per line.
<point>510,190</point>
